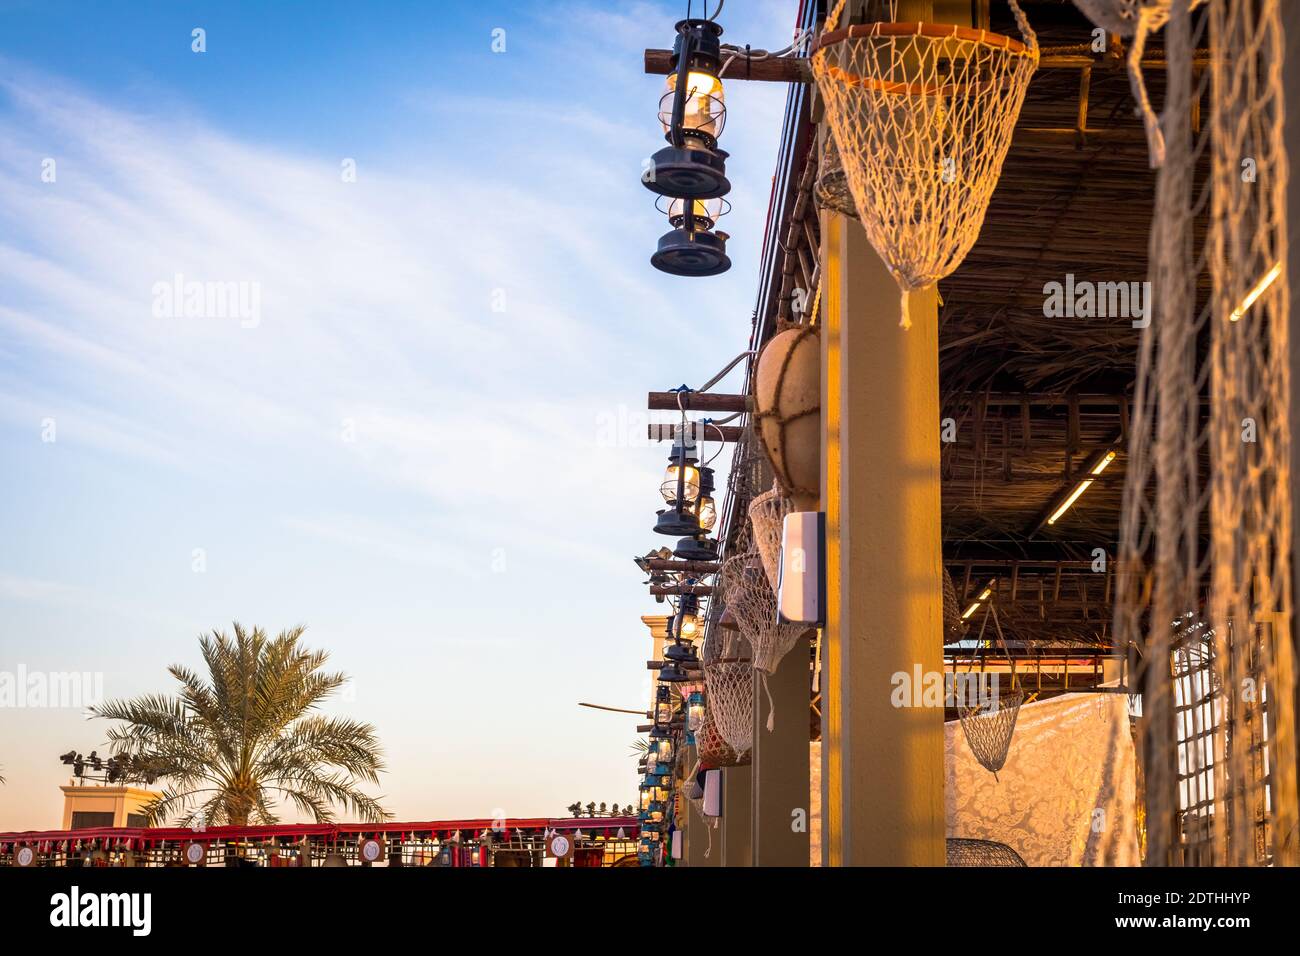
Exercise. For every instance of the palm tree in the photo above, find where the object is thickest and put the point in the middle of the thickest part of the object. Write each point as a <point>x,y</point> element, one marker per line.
<point>233,744</point>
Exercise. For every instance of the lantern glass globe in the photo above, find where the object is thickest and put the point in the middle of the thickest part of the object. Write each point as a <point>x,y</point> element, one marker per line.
<point>695,715</point>
<point>706,104</point>
<point>690,486</point>
<point>707,512</point>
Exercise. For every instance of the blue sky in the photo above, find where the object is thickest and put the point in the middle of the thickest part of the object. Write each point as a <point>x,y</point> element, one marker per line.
<point>415,449</point>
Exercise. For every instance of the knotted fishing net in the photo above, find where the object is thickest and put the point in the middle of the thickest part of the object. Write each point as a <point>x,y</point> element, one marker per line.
<point>832,187</point>
<point>989,726</point>
<point>1135,19</point>
<point>967,852</point>
<point>729,705</point>
<point>1206,528</point>
<point>748,594</point>
<point>922,115</point>
<point>990,721</point>
<point>767,519</point>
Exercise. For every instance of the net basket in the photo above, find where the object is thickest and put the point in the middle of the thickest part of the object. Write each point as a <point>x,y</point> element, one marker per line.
<point>767,518</point>
<point>989,726</point>
<point>966,852</point>
<point>728,714</point>
<point>922,115</point>
<point>750,598</point>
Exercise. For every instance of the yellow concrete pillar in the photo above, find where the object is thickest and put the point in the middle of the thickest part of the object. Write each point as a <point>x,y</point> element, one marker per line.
<point>882,770</point>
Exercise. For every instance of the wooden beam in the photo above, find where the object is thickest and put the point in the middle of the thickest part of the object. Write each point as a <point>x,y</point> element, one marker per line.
<point>1286,718</point>
<point>776,69</point>
<point>698,402</point>
<point>666,431</point>
<point>661,590</point>
<point>684,567</point>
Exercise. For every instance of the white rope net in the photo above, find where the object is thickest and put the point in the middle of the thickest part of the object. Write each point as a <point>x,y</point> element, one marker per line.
<point>1205,602</point>
<point>922,115</point>
<point>729,711</point>
<point>767,518</point>
<point>749,596</point>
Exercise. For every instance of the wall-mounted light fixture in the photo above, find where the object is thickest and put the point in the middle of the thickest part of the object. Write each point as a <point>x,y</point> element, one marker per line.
<point>1095,468</point>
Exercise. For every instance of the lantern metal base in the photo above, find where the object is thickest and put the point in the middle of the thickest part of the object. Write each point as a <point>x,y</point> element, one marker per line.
<point>696,549</point>
<point>671,673</point>
<point>679,654</point>
<point>676,523</point>
<point>688,172</point>
<point>698,253</point>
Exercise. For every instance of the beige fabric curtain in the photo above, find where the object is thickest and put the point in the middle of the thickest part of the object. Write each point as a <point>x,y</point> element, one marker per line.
<point>1066,796</point>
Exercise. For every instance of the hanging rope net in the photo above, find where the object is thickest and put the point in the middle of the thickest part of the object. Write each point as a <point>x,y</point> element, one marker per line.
<point>989,726</point>
<point>1204,602</point>
<point>1135,20</point>
<point>922,115</point>
<point>714,751</point>
<point>832,187</point>
<point>749,596</point>
<point>990,721</point>
<point>966,852</point>
<point>767,518</point>
<point>728,704</point>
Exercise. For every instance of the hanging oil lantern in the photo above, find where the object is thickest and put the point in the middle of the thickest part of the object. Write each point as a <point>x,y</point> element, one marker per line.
<point>693,112</point>
<point>661,750</point>
<point>700,547</point>
<point>680,488</point>
<point>693,247</point>
<point>694,715</point>
<point>663,711</point>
